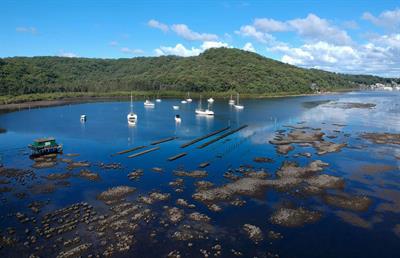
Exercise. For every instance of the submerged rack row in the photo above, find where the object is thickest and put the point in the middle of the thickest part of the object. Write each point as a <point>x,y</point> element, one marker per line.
<point>143,152</point>
<point>180,155</point>
<point>221,136</point>
<point>164,140</point>
<point>129,150</point>
<point>204,137</point>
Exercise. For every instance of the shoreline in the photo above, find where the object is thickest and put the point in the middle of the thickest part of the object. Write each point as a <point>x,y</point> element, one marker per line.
<point>61,99</point>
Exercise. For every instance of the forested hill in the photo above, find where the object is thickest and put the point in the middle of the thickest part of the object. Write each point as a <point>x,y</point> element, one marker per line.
<point>215,70</point>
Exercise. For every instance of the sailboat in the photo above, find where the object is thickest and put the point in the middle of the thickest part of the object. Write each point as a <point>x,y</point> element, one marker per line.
<point>210,100</point>
<point>188,99</point>
<point>158,97</point>
<point>231,101</point>
<point>237,105</point>
<point>132,117</point>
<point>148,103</point>
<point>200,111</point>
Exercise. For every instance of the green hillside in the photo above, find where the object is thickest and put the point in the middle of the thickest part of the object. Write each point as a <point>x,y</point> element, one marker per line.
<point>217,70</point>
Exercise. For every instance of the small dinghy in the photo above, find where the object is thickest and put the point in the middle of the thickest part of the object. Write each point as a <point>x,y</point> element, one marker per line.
<point>175,107</point>
<point>148,103</point>
<point>178,119</point>
<point>83,118</point>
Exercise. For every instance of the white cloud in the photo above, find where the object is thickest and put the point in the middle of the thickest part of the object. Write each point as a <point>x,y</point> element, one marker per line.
<point>178,50</point>
<point>249,47</point>
<point>158,25</point>
<point>251,31</point>
<point>270,25</point>
<point>31,30</point>
<point>62,53</point>
<point>185,32</point>
<point>388,19</point>
<point>316,29</point>
<point>113,43</point>
<point>127,50</point>
<point>312,28</point>
<point>379,56</point>
<point>181,50</point>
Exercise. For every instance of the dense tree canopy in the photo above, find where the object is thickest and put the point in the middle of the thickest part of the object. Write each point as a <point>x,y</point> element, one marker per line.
<point>215,70</point>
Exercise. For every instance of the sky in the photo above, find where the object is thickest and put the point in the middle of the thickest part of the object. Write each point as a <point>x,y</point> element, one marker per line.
<point>350,36</point>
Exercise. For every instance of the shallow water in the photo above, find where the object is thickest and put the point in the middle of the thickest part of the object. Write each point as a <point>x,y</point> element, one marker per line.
<point>372,234</point>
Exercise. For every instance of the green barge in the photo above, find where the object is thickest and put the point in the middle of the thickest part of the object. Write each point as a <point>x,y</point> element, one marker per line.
<point>45,146</point>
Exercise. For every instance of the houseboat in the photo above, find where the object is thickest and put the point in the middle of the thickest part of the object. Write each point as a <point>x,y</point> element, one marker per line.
<point>45,146</point>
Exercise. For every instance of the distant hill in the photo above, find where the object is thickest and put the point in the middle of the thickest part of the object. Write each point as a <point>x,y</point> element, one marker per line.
<point>218,70</point>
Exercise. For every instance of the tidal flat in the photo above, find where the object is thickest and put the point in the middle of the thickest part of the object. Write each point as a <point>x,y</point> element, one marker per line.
<point>310,176</point>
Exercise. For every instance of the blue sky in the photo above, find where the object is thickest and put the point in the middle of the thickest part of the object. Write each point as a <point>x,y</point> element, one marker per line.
<point>340,36</point>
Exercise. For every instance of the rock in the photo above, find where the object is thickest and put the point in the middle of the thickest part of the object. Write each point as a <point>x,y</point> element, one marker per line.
<point>354,219</point>
<point>175,214</point>
<point>294,217</point>
<point>327,147</point>
<point>201,185</point>
<point>354,203</point>
<point>284,149</point>
<point>135,174</point>
<point>263,160</point>
<point>157,169</point>
<point>184,203</point>
<point>382,138</point>
<point>243,186</point>
<point>44,164</point>
<point>195,173</point>
<point>290,169</point>
<point>253,232</point>
<point>274,235</point>
<point>58,176</point>
<point>214,207</point>
<point>326,181</point>
<point>177,183</point>
<point>75,252</point>
<point>116,193</point>
<point>89,175</point>
<point>196,216</point>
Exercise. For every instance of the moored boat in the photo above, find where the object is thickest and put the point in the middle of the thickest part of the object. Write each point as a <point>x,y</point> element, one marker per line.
<point>131,117</point>
<point>148,103</point>
<point>231,101</point>
<point>237,105</point>
<point>188,99</point>
<point>45,146</point>
<point>205,112</point>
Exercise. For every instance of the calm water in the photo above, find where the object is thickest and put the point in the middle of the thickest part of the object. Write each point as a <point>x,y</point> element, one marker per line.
<point>106,132</point>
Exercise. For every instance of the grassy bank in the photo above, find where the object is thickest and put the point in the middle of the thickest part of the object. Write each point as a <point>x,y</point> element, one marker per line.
<point>137,95</point>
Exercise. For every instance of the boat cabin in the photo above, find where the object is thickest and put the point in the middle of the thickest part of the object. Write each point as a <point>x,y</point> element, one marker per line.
<point>45,146</point>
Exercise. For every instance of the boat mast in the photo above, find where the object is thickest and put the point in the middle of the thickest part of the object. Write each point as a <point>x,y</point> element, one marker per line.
<point>131,103</point>
<point>237,100</point>
<point>200,102</point>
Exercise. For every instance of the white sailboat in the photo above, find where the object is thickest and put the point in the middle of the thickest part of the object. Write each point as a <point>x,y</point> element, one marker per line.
<point>148,103</point>
<point>158,98</point>
<point>175,107</point>
<point>210,100</point>
<point>83,118</point>
<point>206,112</point>
<point>237,105</point>
<point>231,101</point>
<point>183,101</point>
<point>188,99</point>
<point>132,117</point>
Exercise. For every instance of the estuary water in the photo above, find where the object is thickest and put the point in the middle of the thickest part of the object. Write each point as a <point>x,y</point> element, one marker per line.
<point>367,169</point>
